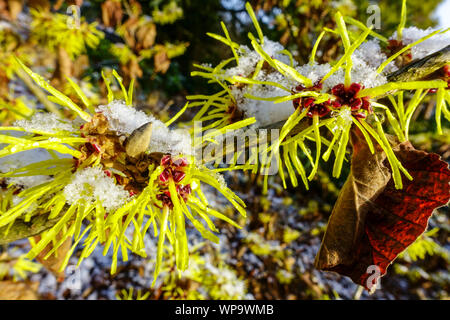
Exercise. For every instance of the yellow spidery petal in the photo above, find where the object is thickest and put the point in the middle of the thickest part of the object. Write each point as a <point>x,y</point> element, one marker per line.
<point>439,106</point>
<point>179,113</point>
<point>252,15</point>
<point>227,35</point>
<point>362,26</point>
<point>314,49</point>
<point>318,146</point>
<point>412,85</point>
<point>402,22</point>
<point>395,55</point>
<point>61,98</point>
<point>108,87</point>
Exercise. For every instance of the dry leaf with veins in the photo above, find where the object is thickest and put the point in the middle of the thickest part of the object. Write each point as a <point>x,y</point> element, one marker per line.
<point>372,222</point>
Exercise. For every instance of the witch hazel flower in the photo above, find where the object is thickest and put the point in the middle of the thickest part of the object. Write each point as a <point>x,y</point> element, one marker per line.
<point>399,57</point>
<point>109,179</point>
<point>329,98</point>
<point>250,76</point>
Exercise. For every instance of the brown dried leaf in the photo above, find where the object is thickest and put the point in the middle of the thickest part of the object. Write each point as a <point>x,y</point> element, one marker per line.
<point>372,222</point>
<point>15,7</point>
<point>162,62</point>
<point>54,262</point>
<point>64,67</point>
<point>43,5</point>
<point>111,13</point>
<point>131,70</point>
<point>145,36</point>
<point>21,290</point>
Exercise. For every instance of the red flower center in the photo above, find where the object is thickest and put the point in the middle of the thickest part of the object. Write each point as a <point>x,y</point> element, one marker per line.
<point>348,97</point>
<point>320,109</point>
<point>175,170</point>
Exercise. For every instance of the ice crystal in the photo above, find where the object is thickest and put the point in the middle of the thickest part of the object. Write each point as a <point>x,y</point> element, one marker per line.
<point>248,58</point>
<point>47,122</point>
<point>426,47</point>
<point>91,184</point>
<point>125,119</point>
<point>361,73</point>
<point>315,71</point>
<point>370,52</point>
<point>265,112</point>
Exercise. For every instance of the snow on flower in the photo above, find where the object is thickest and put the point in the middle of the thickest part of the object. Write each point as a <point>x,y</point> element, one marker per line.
<point>371,54</point>
<point>265,112</point>
<point>125,119</point>
<point>47,122</point>
<point>429,46</point>
<point>91,184</point>
<point>361,73</point>
<point>248,58</point>
<point>366,60</point>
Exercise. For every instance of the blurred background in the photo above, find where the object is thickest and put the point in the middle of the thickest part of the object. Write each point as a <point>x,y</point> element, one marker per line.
<point>157,43</point>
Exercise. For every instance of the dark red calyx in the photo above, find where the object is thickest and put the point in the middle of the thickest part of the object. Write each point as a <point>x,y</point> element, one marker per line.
<point>181,162</point>
<point>321,109</point>
<point>394,45</point>
<point>178,176</point>
<point>165,175</point>
<point>166,161</point>
<point>182,191</point>
<point>349,97</point>
<point>174,169</point>
<point>165,199</point>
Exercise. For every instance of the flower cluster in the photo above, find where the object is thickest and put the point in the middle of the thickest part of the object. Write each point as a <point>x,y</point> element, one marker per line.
<point>338,97</point>
<point>111,174</point>
<point>114,172</point>
<point>343,96</point>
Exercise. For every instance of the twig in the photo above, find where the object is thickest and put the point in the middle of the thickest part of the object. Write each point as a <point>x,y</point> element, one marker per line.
<point>419,69</point>
<point>21,229</point>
